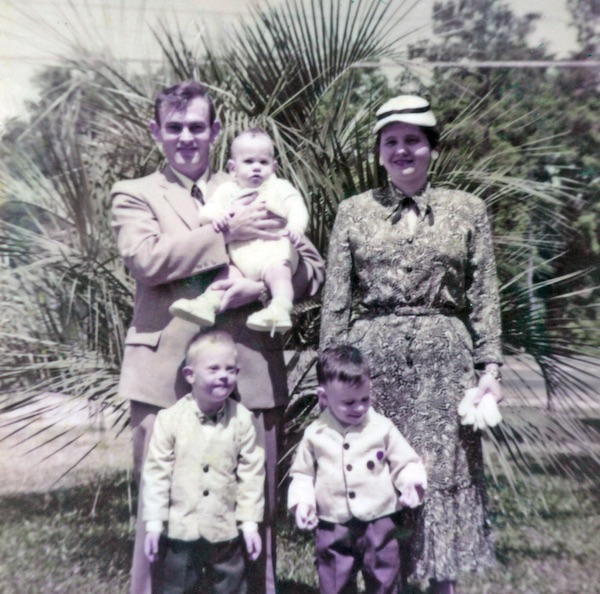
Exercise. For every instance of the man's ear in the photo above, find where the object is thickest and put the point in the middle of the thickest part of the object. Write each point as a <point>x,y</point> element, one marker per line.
<point>214,130</point>
<point>275,165</point>
<point>231,165</point>
<point>155,130</point>
<point>188,374</point>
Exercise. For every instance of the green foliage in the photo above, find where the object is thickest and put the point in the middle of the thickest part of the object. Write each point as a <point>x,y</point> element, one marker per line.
<point>514,138</point>
<point>79,539</point>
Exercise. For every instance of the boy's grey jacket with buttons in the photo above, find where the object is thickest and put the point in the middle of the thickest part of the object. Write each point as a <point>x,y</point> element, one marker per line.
<point>201,477</point>
<point>351,472</point>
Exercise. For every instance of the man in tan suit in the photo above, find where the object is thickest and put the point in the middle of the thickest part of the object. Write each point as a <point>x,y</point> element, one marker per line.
<point>172,256</point>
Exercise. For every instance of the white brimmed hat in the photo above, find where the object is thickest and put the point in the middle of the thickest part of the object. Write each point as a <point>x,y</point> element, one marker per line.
<point>410,109</point>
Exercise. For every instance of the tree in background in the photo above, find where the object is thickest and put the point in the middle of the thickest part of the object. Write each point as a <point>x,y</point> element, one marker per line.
<point>291,70</point>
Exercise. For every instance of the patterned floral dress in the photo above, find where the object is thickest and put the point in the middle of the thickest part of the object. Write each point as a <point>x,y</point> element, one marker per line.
<point>422,303</point>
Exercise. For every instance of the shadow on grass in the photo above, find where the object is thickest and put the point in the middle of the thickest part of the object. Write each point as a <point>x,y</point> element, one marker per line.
<point>75,539</point>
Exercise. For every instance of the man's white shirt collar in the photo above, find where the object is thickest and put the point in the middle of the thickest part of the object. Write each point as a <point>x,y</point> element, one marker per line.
<point>189,183</point>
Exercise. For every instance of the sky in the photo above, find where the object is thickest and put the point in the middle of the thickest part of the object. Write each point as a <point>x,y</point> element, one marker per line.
<point>34,33</point>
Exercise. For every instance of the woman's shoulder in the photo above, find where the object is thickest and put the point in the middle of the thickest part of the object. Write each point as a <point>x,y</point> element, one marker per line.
<point>457,198</point>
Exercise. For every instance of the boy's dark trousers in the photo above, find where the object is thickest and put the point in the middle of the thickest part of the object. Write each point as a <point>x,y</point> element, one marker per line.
<point>345,549</point>
<point>183,565</point>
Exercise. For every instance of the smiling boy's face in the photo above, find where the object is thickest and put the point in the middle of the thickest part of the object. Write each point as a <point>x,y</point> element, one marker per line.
<point>348,403</point>
<point>212,373</point>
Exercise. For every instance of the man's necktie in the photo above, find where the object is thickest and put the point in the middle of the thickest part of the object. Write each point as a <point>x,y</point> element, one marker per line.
<point>197,194</point>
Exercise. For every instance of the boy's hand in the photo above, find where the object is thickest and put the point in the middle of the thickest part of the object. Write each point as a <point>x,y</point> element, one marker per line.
<point>253,544</point>
<point>412,496</point>
<point>151,546</point>
<point>306,517</point>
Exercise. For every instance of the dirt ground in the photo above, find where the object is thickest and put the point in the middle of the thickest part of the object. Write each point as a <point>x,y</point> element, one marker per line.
<point>35,457</point>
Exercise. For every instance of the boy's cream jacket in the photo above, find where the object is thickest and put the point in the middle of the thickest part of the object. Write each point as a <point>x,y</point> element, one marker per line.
<point>352,472</point>
<point>202,477</point>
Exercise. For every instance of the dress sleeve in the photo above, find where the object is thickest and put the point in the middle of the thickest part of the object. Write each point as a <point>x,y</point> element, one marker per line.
<point>482,293</point>
<point>337,296</point>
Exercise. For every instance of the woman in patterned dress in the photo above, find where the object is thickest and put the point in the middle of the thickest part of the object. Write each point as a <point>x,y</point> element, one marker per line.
<point>411,281</point>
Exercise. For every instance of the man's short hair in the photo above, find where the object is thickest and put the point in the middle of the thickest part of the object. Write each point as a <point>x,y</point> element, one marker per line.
<point>208,337</point>
<point>178,97</point>
<point>343,363</point>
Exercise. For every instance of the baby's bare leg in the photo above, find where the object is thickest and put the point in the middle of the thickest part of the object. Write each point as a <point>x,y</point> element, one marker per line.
<point>278,279</point>
<point>276,317</point>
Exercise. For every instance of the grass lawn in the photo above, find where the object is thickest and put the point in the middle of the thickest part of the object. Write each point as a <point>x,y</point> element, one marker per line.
<point>78,539</point>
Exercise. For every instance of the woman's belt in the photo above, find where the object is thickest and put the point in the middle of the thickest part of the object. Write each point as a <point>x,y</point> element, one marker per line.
<point>406,310</point>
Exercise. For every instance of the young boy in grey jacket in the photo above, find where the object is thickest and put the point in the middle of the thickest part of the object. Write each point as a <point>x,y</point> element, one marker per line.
<point>352,471</point>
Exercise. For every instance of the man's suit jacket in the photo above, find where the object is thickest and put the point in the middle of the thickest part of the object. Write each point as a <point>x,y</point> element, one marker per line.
<point>172,256</point>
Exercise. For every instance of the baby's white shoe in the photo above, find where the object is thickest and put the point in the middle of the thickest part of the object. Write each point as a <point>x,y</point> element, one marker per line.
<point>274,318</point>
<point>201,310</point>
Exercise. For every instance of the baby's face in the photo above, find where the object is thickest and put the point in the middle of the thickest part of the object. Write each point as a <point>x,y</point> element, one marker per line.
<point>348,404</point>
<point>252,161</point>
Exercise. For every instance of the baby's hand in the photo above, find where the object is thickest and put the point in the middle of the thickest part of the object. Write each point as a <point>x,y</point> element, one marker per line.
<point>306,517</point>
<point>220,222</point>
<point>253,544</point>
<point>295,235</point>
<point>151,546</point>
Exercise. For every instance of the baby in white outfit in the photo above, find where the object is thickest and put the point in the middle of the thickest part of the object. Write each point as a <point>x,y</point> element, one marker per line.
<point>252,166</point>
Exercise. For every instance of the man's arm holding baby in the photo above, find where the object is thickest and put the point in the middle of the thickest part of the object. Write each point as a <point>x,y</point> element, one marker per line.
<point>248,222</point>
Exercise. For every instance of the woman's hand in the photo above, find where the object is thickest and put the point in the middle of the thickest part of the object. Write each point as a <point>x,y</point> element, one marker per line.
<point>238,292</point>
<point>489,384</point>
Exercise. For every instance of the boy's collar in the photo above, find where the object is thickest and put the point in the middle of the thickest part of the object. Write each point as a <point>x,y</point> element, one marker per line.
<point>206,417</point>
<point>332,420</point>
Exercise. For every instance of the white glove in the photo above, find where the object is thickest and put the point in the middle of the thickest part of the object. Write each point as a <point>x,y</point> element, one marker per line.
<point>487,413</point>
<point>481,412</point>
<point>466,408</point>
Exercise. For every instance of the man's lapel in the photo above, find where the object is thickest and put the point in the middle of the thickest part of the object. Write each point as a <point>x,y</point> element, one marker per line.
<point>180,199</point>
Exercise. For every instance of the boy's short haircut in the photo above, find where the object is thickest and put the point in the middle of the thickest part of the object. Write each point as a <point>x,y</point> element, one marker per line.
<point>179,95</point>
<point>343,363</point>
<point>207,337</point>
